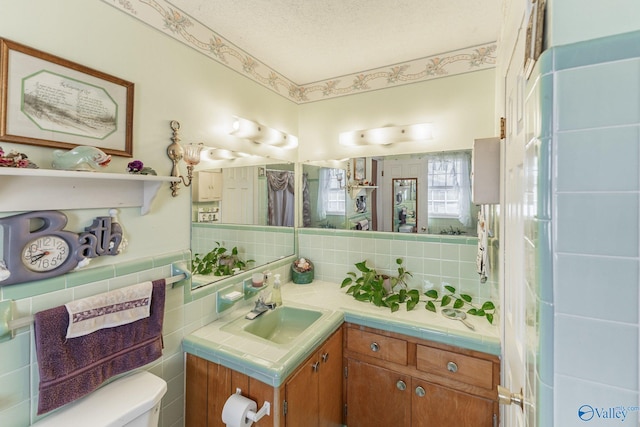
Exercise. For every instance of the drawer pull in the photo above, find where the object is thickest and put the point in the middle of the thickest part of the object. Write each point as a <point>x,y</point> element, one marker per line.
<point>315,367</point>
<point>401,385</point>
<point>420,391</point>
<point>325,357</point>
<point>452,367</point>
<point>375,347</point>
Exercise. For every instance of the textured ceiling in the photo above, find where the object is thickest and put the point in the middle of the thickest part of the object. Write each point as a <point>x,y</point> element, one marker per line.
<point>312,40</point>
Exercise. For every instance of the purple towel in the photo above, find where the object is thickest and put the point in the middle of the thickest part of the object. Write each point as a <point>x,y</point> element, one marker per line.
<point>71,368</point>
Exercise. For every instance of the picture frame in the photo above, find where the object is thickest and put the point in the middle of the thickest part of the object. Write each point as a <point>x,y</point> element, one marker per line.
<point>359,168</point>
<point>534,36</point>
<point>49,101</point>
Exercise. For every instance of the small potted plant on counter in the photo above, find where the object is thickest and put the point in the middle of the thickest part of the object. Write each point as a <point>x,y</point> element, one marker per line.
<point>302,271</point>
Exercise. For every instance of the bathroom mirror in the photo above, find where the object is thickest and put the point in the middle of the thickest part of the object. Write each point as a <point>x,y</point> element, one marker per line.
<point>441,182</point>
<point>248,210</point>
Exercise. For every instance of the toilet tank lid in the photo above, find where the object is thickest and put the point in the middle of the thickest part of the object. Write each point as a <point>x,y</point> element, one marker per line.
<point>112,405</point>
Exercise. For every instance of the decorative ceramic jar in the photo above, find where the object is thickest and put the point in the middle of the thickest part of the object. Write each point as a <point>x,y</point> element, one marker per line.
<point>302,271</point>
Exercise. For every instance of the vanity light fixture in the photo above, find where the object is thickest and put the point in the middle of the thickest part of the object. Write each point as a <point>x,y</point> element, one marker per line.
<point>387,135</point>
<point>261,134</point>
<point>223,154</point>
<point>176,152</point>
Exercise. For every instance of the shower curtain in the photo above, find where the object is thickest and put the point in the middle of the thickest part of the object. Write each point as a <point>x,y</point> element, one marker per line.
<point>280,198</point>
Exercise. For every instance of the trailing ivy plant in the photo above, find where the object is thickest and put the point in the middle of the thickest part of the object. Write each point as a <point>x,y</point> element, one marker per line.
<point>218,262</point>
<point>380,289</point>
<point>369,286</point>
<point>460,301</point>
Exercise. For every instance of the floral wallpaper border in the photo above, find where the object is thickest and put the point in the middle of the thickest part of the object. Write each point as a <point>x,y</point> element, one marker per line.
<point>165,17</point>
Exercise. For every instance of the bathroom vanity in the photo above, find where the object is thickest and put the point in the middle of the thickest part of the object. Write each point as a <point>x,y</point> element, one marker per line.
<point>394,379</point>
<point>357,364</point>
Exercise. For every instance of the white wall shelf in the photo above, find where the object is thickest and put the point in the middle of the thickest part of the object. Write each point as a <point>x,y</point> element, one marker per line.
<point>24,189</point>
<point>355,190</point>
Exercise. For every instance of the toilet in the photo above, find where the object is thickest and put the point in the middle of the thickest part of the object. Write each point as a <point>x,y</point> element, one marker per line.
<point>131,401</point>
<point>405,228</point>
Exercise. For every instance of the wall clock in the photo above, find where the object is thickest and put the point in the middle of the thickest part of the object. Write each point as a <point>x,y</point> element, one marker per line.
<point>36,246</point>
<point>45,253</point>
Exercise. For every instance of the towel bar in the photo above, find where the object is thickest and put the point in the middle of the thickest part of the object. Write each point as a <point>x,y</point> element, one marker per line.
<point>9,325</point>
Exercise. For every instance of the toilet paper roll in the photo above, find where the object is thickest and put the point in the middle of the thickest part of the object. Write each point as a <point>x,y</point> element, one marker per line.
<point>236,409</point>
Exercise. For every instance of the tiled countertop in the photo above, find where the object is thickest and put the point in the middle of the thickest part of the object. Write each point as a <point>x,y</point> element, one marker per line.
<point>273,363</point>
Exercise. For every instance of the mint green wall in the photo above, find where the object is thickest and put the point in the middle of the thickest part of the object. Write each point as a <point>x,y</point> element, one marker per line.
<point>584,162</point>
<point>571,21</point>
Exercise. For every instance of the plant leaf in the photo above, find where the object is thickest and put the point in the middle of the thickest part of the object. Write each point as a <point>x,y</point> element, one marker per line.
<point>473,311</point>
<point>411,304</point>
<point>445,300</point>
<point>399,261</point>
<point>414,294</point>
<point>488,306</point>
<point>347,281</point>
<point>466,297</point>
<point>489,317</point>
<point>393,298</point>
<point>458,303</point>
<point>450,289</point>
<point>432,293</point>
<point>362,297</point>
<point>430,306</point>
<point>362,266</point>
<point>395,307</point>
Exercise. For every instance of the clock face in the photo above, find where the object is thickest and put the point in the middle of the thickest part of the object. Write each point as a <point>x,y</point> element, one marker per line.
<point>45,253</point>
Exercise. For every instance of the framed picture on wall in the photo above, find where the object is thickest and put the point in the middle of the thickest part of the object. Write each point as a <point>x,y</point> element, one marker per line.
<point>49,101</point>
<point>534,35</point>
<point>359,168</point>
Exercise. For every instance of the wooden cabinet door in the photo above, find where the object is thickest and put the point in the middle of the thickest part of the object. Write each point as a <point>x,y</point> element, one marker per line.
<point>330,384</point>
<point>302,395</point>
<point>377,397</point>
<point>433,405</point>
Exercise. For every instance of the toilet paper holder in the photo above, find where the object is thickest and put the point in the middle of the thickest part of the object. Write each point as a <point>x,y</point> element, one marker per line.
<point>255,416</point>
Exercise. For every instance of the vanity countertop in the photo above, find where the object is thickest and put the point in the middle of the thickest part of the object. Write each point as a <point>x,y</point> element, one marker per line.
<point>273,363</point>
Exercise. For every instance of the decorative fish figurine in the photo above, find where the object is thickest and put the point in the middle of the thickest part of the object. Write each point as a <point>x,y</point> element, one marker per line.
<point>82,158</point>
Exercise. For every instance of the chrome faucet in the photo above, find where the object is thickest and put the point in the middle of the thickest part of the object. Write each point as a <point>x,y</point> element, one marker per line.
<point>260,308</point>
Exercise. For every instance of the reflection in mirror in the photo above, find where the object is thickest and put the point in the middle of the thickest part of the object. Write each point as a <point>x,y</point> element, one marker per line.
<point>405,205</point>
<point>442,202</point>
<point>248,210</point>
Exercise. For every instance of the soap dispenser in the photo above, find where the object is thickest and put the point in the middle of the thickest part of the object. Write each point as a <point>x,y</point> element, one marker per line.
<point>276,294</point>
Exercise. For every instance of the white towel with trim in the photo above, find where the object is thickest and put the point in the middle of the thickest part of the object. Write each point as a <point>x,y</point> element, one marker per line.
<point>482,259</point>
<point>109,309</point>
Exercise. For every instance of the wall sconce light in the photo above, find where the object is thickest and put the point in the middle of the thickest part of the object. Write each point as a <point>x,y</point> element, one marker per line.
<point>190,153</point>
<point>387,135</point>
<point>261,134</point>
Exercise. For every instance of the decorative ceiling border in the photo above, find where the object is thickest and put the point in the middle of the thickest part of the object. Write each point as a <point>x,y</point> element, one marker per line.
<point>165,17</point>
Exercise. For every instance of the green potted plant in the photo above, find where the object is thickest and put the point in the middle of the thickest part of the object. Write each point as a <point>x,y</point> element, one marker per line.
<point>218,262</point>
<point>370,285</point>
<point>380,289</point>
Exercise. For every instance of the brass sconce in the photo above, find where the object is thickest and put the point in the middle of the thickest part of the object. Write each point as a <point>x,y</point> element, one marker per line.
<point>190,154</point>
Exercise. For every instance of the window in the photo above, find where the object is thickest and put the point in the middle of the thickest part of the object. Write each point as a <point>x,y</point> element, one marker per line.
<point>331,193</point>
<point>336,200</point>
<point>445,177</point>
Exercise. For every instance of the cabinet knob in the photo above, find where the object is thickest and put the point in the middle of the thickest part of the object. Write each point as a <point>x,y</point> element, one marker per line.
<point>401,385</point>
<point>452,367</point>
<point>420,391</point>
<point>325,357</point>
<point>315,366</point>
<point>375,347</point>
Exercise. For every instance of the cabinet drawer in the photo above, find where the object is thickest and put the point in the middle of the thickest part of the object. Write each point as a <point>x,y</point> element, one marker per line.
<point>458,367</point>
<point>378,346</point>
